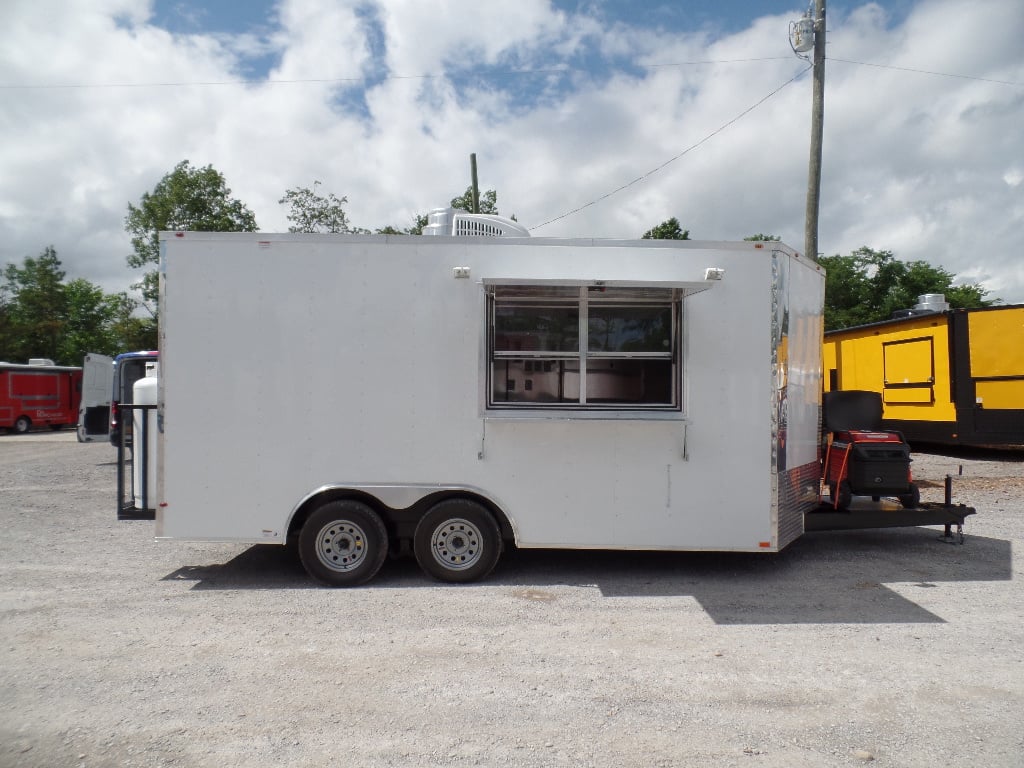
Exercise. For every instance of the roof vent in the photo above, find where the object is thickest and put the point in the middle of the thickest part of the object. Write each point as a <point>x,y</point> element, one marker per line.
<point>927,304</point>
<point>452,221</point>
<point>931,302</point>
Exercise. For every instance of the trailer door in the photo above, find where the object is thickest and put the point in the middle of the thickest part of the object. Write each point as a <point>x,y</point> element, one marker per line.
<point>94,409</point>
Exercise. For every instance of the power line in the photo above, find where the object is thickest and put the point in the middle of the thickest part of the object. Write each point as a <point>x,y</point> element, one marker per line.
<point>742,114</point>
<point>927,72</point>
<point>689,149</point>
<point>496,73</point>
<point>328,80</point>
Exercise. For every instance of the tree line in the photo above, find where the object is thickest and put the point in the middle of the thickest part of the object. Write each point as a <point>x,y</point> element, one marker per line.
<point>42,314</point>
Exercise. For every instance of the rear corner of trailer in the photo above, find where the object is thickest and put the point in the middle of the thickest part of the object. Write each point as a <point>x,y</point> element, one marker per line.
<point>797,351</point>
<point>753,397</point>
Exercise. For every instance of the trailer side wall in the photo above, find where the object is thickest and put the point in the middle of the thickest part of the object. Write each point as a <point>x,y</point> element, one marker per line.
<point>359,362</point>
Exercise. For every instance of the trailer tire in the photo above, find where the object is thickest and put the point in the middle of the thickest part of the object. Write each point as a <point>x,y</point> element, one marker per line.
<point>22,425</point>
<point>457,541</point>
<point>343,543</point>
<point>912,499</point>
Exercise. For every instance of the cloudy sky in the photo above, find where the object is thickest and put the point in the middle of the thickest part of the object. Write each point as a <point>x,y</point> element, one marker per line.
<point>563,102</point>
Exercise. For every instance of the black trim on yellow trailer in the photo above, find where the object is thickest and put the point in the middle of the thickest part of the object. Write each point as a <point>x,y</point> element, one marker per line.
<point>954,377</point>
<point>944,432</point>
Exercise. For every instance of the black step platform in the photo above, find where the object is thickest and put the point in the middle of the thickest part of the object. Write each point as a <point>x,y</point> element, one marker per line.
<point>886,513</point>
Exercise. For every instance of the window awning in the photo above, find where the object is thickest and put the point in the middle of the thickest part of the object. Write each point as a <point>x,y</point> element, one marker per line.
<point>685,287</point>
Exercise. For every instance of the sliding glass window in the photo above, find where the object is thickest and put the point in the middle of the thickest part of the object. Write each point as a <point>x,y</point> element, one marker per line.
<point>583,347</point>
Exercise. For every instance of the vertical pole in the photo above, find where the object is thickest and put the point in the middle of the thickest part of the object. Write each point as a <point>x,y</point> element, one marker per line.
<point>120,467</point>
<point>476,186</point>
<point>142,451</point>
<point>817,129</point>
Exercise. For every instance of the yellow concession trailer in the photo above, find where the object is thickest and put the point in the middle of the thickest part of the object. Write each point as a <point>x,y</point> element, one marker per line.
<point>954,376</point>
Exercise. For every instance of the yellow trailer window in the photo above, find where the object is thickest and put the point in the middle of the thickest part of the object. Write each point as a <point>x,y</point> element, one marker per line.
<point>909,362</point>
<point>909,370</point>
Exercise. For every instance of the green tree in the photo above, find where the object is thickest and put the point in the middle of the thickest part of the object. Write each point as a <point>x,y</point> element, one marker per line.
<point>86,322</point>
<point>488,201</point>
<point>669,229</point>
<point>312,212</point>
<point>762,238</point>
<point>126,330</point>
<point>101,322</point>
<point>41,315</point>
<point>419,222</point>
<point>6,329</point>
<point>187,198</point>
<point>868,286</point>
<point>35,307</point>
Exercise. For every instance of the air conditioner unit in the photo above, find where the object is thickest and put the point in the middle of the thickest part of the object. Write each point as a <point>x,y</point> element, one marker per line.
<point>452,221</point>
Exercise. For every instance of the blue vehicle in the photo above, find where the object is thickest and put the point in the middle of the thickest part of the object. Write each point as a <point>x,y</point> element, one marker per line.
<point>128,368</point>
<point>107,386</point>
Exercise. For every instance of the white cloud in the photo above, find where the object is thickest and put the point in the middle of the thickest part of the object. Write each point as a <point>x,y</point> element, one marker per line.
<point>428,37</point>
<point>319,41</point>
<point>923,165</point>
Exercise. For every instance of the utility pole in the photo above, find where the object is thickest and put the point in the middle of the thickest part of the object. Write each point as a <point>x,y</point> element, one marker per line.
<point>817,130</point>
<point>475,185</point>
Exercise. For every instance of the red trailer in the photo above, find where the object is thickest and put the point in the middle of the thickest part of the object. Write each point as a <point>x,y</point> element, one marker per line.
<point>39,394</point>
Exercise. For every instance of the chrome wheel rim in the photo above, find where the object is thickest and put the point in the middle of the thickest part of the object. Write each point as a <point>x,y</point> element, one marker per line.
<point>457,544</point>
<point>341,546</point>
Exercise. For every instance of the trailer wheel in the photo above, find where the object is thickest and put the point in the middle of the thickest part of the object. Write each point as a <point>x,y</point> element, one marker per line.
<point>457,540</point>
<point>343,543</point>
<point>912,499</point>
<point>22,425</point>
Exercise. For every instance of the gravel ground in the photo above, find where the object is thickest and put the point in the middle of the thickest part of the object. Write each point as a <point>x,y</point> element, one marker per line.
<point>889,647</point>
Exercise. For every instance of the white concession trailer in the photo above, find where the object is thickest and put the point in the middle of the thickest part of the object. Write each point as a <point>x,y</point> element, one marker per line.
<point>360,395</point>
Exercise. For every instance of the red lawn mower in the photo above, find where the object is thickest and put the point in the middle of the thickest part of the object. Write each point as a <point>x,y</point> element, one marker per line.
<point>862,459</point>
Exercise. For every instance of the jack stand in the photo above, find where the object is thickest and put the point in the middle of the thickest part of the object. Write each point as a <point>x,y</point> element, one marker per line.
<point>948,537</point>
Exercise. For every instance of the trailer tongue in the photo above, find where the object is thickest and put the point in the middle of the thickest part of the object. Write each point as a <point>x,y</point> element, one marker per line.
<point>867,470</point>
<point>886,513</point>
